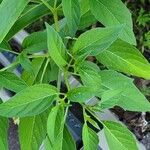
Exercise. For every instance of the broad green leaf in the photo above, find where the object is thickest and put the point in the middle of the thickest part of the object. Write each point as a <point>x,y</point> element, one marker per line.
<point>55,126</point>
<point>25,62</point>
<point>118,136</point>
<point>89,73</point>
<point>38,64</point>
<point>10,10</point>
<point>29,17</point>
<point>31,101</point>
<point>30,77</point>
<point>112,13</point>
<point>68,141</point>
<point>27,8</point>
<point>4,46</point>
<point>3,132</point>
<point>95,41</point>
<point>36,42</point>
<point>110,98</point>
<point>51,72</point>
<point>56,47</point>
<point>90,138</point>
<point>80,94</point>
<point>47,144</point>
<point>124,57</point>
<point>130,97</point>
<point>59,136</point>
<point>32,131</point>
<point>71,9</point>
<point>11,82</point>
<point>87,17</point>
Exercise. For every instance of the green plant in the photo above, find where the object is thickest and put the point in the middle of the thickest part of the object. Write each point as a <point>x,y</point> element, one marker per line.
<point>68,45</point>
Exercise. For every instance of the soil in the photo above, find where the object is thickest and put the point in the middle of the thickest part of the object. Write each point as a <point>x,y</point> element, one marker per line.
<point>13,136</point>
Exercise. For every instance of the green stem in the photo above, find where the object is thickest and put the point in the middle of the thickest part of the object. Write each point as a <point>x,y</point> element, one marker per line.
<point>48,6</point>
<point>44,70</point>
<point>66,80</point>
<point>93,114</point>
<point>56,20</point>
<point>84,114</point>
<point>68,87</point>
<point>59,80</point>
<point>55,4</point>
<point>11,51</point>
<point>38,56</point>
<point>10,66</point>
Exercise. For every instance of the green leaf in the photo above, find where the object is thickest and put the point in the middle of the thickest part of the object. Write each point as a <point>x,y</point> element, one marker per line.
<point>32,131</point>
<point>29,102</point>
<point>55,126</point>
<point>80,94</point>
<point>95,41</point>
<point>90,138</point>
<point>3,132</point>
<point>114,12</point>
<point>71,9</point>
<point>30,77</point>
<point>56,47</point>
<point>29,17</point>
<point>35,42</point>
<point>59,136</point>
<point>87,17</point>
<point>11,82</point>
<point>130,97</point>
<point>10,10</point>
<point>118,136</point>
<point>68,141</point>
<point>124,57</point>
<point>4,46</point>
<point>110,98</point>
<point>89,73</point>
<point>25,62</point>
<point>51,72</point>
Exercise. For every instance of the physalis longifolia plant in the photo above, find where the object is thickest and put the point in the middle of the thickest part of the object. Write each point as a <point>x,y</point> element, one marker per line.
<point>90,40</point>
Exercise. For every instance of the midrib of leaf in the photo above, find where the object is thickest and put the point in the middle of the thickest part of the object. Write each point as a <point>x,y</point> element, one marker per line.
<point>30,10</point>
<point>108,10</point>
<point>114,136</point>
<point>13,82</point>
<point>111,88</point>
<point>38,71</point>
<point>85,12</point>
<point>92,43</point>
<point>31,133</point>
<point>124,60</point>
<point>33,101</point>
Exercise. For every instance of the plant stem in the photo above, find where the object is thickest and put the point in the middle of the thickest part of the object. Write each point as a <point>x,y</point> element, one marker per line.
<point>10,66</point>
<point>56,20</point>
<point>84,114</point>
<point>11,51</point>
<point>68,87</point>
<point>38,56</point>
<point>44,70</point>
<point>59,7</point>
<point>66,80</point>
<point>48,6</point>
<point>55,4</point>
<point>59,80</point>
<point>93,114</point>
